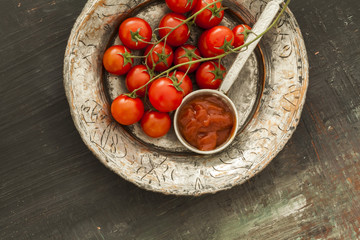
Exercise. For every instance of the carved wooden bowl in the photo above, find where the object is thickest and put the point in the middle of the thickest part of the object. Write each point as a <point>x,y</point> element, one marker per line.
<point>269,95</point>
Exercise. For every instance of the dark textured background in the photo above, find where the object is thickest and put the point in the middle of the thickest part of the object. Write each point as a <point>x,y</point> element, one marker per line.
<point>52,187</point>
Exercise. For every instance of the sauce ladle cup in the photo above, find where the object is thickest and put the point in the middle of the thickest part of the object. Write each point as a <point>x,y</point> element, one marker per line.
<point>260,26</point>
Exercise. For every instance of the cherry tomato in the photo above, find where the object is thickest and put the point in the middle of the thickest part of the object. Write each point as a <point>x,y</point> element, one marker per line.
<point>203,47</point>
<point>186,84</point>
<point>210,75</point>
<point>219,39</point>
<point>240,33</point>
<point>117,60</point>
<point>127,110</point>
<point>162,56</point>
<point>155,124</point>
<point>181,6</point>
<point>134,32</point>
<point>209,17</point>
<point>137,77</point>
<point>185,54</point>
<point>164,96</point>
<point>177,37</point>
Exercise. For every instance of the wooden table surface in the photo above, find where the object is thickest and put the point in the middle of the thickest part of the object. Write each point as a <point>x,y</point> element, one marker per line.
<point>52,187</point>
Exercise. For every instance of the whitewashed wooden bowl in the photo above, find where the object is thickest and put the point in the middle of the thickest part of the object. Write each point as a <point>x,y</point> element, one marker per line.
<point>269,95</point>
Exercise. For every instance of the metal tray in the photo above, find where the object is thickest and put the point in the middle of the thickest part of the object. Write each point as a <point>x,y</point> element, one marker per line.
<point>269,95</point>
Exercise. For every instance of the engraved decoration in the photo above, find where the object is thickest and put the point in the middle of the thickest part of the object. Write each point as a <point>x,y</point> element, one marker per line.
<point>176,171</point>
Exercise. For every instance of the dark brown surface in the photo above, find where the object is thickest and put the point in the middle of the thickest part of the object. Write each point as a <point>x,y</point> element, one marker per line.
<point>52,187</point>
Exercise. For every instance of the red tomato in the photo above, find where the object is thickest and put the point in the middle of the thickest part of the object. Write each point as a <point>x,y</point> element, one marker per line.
<point>186,84</point>
<point>162,56</point>
<point>203,47</point>
<point>137,77</point>
<point>127,110</point>
<point>117,60</point>
<point>185,54</point>
<point>209,17</point>
<point>177,37</point>
<point>155,124</point>
<point>181,6</point>
<point>219,39</point>
<point>210,75</point>
<point>134,32</point>
<point>164,96</point>
<point>240,33</point>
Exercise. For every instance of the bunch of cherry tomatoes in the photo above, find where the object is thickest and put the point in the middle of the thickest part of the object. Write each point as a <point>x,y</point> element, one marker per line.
<point>157,81</point>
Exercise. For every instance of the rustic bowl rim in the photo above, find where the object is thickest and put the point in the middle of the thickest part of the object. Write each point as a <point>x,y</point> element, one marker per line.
<point>84,16</point>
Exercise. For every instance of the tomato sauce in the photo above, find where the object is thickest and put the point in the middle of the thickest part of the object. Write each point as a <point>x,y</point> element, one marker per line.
<point>206,122</point>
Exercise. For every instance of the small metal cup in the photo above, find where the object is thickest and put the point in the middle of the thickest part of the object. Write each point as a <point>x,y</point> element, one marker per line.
<point>226,100</point>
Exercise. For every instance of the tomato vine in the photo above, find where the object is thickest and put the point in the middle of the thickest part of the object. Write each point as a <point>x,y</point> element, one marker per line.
<point>200,59</point>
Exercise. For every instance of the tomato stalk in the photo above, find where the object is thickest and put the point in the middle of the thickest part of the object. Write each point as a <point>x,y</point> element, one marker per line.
<point>246,32</point>
<point>135,36</point>
<point>186,20</point>
<point>227,45</point>
<point>176,83</point>
<point>134,56</point>
<point>187,71</point>
<point>218,73</point>
<point>191,2</point>
<point>219,56</point>
<point>132,94</point>
<point>190,54</point>
<point>127,57</point>
<point>215,12</point>
<point>173,29</point>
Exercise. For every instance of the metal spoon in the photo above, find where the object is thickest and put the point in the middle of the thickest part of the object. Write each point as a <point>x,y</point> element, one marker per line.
<point>260,26</point>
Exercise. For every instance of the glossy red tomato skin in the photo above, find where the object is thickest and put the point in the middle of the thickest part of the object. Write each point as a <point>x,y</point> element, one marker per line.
<point>163,95</point>
<point>216,37</point>
<point>205,78</point>
<point>155,124</point>
<point>204,19</point>
<point>158,49</point>
<point>133,24</point>
<point>203,47</point>
<point>177,37</point>
<point>238,33</point>
<point>178,59</point>
<point>186,84</point>
<point>181,6</point>
<point>113,61</point>
<point>126,110</point>
<point>137,76</point>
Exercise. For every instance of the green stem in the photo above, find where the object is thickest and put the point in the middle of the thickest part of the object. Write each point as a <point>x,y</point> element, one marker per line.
<point>183,22</point>
<point>133,56</point>
<point>190,18</point>
<point>219,56</point>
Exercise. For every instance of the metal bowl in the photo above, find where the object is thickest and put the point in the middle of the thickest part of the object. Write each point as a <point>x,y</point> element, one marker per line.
<point>269,96</point>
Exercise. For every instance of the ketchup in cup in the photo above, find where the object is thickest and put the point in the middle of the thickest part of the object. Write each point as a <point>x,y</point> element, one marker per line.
<point>206,122</point>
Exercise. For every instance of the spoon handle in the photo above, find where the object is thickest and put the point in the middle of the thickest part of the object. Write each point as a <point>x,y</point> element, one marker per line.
<point>260,26</point>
